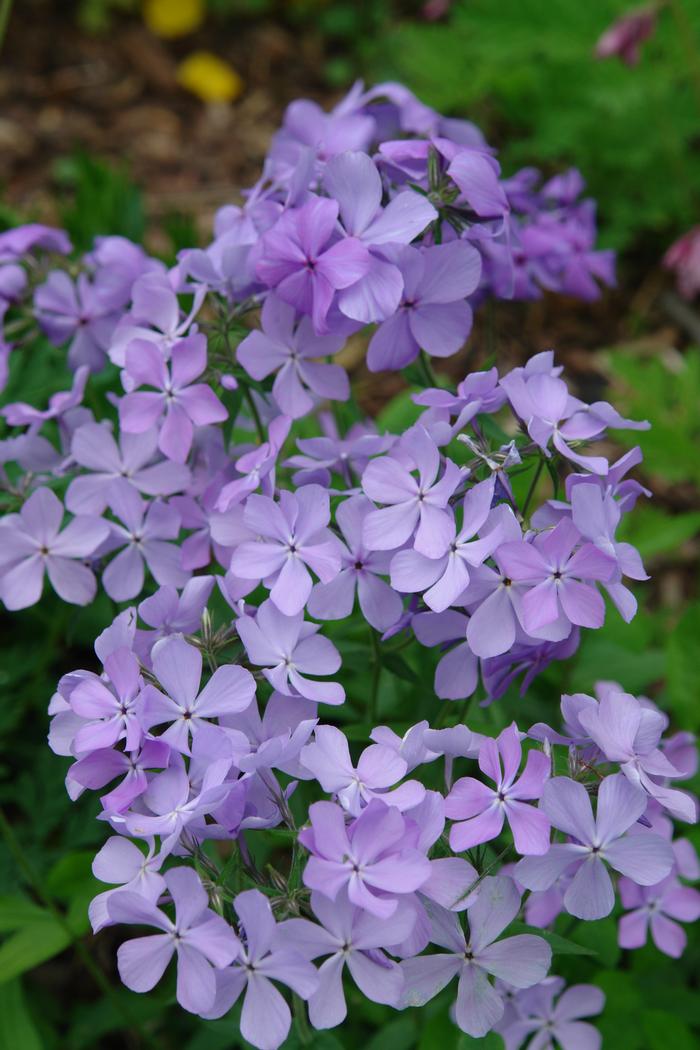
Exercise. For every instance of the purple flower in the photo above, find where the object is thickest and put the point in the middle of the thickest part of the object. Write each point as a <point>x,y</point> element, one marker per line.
<point>539,1016</point>
<point>521,961</point>
<point>173,805</point>
<point>359,572</point>
<point>201,940</point>
<point>155,316</point>
<point>178,668</point>
<point>346,456</point>
<point>378,769</point>
<point>644,858</point>
<point>264,958</point>
<point>32,541</point>
<point>293,538</point>
<point>481,810</point>
<point>478,393</point>
<point>114,713</point>
<point>94,447</point>
<point>625,36</point>
<point>22,239</point>
<point>121,863</point>
<point>83,313</point>
<point>292,351</point>
<point>275,740</point>
<point>20,414</point>
<point>544,404</point>
<point>661,908</point>
<point>444,579</point>
<point>419,506</point>
<point>257,466</point>
<point>555,574</point>
<point>143,537</point>
<point>288,648</point>
<point>186,404</point>
<point>375,858</point>
<point>596,516</point>
<point>169,613</point>
<point>683,258</point>
<point>476,173</point>
<point>348,936</point>
<point>629,733</point>
<point>457,672</point>
<point>432,315</point>
<point>96,769</point>
<point>297,260</point>
<point>353,181</point>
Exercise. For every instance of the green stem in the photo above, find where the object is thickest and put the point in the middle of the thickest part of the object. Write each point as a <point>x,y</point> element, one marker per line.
<point>250,400</point>
<point>34,882</point>
<point>533,486</point>
<point>426,368</point>
<point>300,1021</point>
<point>5,11</point>
<point>376,675</point>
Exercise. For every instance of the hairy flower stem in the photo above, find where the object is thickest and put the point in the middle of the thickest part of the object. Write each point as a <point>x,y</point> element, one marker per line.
<point>33,880</point>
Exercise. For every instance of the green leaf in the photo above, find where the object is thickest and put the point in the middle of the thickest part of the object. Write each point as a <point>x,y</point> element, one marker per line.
<point>396,665</point>
<point>600,938</point>
<point>663,1030</point>
<point>397,1035</point>
<point>17,1029</point>
<point>654,532</point>
<point>33,944</point>
<point>559,945</point>
<point>683,668</point>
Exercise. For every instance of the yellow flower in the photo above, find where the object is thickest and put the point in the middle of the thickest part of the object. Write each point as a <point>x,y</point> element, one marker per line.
<point>209,77</point>
<point>171,18</point>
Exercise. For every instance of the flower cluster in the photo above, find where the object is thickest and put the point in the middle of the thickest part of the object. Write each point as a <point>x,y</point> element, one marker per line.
<point>248,830</point>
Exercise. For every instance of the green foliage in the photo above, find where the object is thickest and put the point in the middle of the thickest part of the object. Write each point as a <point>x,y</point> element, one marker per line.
<point>524,70</point>
<point>98,197</point>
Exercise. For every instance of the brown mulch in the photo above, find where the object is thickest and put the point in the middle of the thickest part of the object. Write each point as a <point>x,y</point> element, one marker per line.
<point>115,96</point>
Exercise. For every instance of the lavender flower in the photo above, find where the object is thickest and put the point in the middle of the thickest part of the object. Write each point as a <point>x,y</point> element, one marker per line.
<point>293,538</point>
<point>433,315</point>
<point>144,538</point>
<point>658,908</point>
<point>348,936</point>
<point>417,506</point>
<point>288,648</point>
<point>201,940</point>
<point>32,543</point>
<point>186,404</point>
<point>521,961</point>
<point>378,769</point>
<point>646,859</point>
<point>291,350</point>
<point>481,810</point>
<point>360,571</point>
<point>375,858</point>
<point>264,958</point>
<point>306,271</point>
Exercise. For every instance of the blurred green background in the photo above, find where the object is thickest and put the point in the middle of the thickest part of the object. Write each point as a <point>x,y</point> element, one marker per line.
<point>118,116</point>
